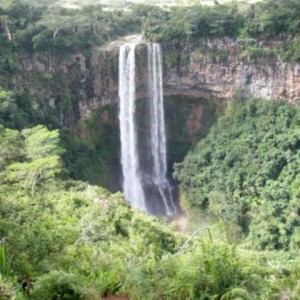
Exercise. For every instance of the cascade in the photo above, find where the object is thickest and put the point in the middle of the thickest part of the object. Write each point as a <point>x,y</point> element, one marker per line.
<point>157,126</point>
<point>132,184</point>
<point>145,182</point>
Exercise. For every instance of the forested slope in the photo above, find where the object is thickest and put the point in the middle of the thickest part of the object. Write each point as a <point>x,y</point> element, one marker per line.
<point>246,172</point>
<point>65,239</point>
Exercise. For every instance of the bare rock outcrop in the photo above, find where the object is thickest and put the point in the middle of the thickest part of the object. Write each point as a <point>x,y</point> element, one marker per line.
<point>91,80</point>
<point>206,77</point>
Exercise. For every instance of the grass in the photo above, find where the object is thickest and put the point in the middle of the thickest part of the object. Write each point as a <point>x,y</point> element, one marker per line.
<point>4,267</point>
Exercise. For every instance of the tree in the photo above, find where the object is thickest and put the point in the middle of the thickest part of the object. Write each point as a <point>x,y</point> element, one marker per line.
<point>42,159</point>
<point>246,172</point>
<point>10,147</point>
<point>10,114</point>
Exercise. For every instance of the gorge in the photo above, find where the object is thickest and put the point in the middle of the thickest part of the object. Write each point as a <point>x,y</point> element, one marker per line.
<point>79,93</point>
<point>80,88</point>
<point>149,151</point>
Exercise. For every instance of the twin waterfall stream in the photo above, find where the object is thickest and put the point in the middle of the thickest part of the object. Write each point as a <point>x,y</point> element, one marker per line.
<point>145,182</point>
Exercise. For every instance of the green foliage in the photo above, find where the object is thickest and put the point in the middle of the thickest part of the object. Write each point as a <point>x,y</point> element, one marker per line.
<point>36,26</point>
<point>41,159</point>
<point>181,133</point>
<point>70,240</point>
<point>189,24</point>
<point>92,148</point>
<point>271,18</point>
<point>208,271</point>
<point>247,169</point>
<point>4,263</point>
<point>10,142</point>
<point>11,114</point>
<point>7,56</point>
<point>39,142</point>
<point>19,109</point>
<point>254,54</point>
<point>264,21</point>
<point>7,289</point>
<point>65,239</point>
<point>290,51</point>
<point>59,285</point>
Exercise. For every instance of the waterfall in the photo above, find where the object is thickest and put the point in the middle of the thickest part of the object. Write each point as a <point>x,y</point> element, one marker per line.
<point>132,184</point>
<point>157,126</point>
<point>145,182</point>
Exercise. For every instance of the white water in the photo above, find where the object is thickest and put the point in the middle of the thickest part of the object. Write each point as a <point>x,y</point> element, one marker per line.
<point>157,127</point>
<point>132,185</point>
<point>138,189</point>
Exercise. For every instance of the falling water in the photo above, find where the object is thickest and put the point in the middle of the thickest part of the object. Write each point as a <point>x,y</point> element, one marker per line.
<point>157,127</point>
<point>145,178</point>
<point>132,185</point>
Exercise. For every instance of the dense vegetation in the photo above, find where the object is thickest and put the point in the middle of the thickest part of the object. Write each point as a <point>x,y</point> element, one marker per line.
<point>54,33</point>
<point>33,25</point>
<point>62,239</point>
<point>246,171</point>
<point>262,20</point>
<point>64,235</point>
<point>37,25</point>
<point>67,239</point>
<point>249,24</point>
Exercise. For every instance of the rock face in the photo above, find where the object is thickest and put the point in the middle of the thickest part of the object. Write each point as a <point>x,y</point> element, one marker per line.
<point>86,81</point>
<point>219,70</point>
<point>64,90</point>
<point>223,71</point>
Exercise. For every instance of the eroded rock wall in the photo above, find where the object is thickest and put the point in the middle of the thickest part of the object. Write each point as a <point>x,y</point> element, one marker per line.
<point>222,69</point>
<point>79,93</point>
<point>70,86</point>
<point>73,86</point>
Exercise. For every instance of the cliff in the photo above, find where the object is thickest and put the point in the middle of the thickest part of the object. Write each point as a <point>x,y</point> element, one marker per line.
<point>223,67</point>
<point>70,86</point>
<point>79,93</point>
<point>73,86</point>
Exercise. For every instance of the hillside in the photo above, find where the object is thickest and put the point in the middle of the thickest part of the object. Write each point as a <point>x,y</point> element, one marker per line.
<point>197,105</point>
